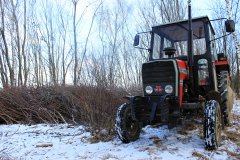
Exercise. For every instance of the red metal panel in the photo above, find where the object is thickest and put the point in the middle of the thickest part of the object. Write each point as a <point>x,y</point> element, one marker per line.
<point>184,73</point>
<point>224,62</point>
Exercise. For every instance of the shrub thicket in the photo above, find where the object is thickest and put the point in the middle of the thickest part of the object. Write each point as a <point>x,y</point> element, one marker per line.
<point>92,106</point>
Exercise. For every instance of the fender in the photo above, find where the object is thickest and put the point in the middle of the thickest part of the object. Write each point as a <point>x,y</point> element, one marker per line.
<point>222,65</point>
<point>213,95</point>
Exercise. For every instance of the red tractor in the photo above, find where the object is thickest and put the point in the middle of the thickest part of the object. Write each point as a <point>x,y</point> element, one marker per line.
<point>183,73</point>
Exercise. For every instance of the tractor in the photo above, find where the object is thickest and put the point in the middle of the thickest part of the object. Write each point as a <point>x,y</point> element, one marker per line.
<point>184,73</point>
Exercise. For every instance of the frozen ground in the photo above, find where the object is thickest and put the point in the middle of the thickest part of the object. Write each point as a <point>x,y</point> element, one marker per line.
<point>55,142</point>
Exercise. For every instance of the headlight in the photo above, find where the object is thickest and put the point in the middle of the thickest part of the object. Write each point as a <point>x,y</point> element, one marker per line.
<point>149,90</point>
<point>168,88</point>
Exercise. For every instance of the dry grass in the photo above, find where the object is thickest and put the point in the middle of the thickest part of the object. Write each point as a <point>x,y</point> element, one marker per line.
<point>156,141</point>
<point>232,154</point>
<point>199,156</point>
<point>233,136</point>
<point>186,128</point>
<point>104,137</point>
<point>109,156</point>
<point>236,120</point>
<point>44,145</point>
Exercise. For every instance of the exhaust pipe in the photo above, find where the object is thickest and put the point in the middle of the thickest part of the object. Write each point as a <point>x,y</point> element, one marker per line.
<point>190,47</point>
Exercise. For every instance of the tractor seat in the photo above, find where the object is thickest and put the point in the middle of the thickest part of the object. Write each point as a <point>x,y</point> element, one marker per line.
<point>169,51</point>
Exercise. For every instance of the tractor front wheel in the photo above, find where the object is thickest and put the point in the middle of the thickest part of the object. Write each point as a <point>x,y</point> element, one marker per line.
<point>127,129</point>
<point>212,124</point>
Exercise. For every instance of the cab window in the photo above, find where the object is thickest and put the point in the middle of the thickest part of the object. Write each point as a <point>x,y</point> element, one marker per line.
<point>156,46</point>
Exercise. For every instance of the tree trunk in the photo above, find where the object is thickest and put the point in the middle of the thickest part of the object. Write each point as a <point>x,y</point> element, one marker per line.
<point>75,43</point>
<point>25,70</point>
<point>6,51</point>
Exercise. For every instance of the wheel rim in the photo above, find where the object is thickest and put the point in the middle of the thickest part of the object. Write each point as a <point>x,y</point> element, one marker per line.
<point>131,125</point>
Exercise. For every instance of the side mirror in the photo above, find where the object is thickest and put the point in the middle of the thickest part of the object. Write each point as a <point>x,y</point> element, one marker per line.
<point>136,40</point>
<point>230,26</point>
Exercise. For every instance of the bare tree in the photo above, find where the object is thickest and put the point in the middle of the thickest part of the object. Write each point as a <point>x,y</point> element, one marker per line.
<point>17,41</point>
<point>4,47</point>
<point>75,2</point>
<point>25,69</point>
<point>65,65</point>
<point>237,46</point>
<point>86,41</point>
<point>49,38</point>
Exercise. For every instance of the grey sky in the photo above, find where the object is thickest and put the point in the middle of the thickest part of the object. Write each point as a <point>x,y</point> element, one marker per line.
<point>201,7</point>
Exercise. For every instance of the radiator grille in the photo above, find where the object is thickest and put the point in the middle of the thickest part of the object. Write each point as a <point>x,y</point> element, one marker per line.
<point>159,72</point>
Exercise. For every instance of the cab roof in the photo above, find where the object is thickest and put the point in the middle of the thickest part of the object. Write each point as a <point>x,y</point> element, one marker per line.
<point>178,31</point>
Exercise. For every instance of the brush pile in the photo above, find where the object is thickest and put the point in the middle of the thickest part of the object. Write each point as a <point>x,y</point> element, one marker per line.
<point>91,106</point>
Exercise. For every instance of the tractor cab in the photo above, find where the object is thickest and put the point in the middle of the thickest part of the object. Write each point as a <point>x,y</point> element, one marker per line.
<point>175,35</point>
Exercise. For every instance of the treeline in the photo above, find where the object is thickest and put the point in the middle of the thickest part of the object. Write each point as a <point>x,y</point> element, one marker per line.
<point>55,42</point>
<point>63,42</point>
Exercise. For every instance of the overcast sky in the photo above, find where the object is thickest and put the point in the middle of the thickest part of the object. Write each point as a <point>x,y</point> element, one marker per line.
<point>201,7</point>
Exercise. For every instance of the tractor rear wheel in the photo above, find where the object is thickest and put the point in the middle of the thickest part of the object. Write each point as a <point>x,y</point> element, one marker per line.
<point>127,129</point>
<point>226,96</point>
<point>212,124</point>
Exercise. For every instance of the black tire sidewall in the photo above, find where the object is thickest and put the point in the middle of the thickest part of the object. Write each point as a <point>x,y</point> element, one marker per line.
<point>121,126</point>
<point>211,113</point>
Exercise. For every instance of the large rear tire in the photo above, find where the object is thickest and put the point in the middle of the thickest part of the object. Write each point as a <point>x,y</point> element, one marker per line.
<point>127,129</point>
<point>212,125</point>
<point>226,96</point>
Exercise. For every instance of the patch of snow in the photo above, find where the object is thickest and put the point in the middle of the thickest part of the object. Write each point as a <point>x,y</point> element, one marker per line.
<point>236,107</point>
<point>64,142</point>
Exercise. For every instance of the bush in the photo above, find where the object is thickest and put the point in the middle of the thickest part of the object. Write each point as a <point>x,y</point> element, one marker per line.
<point>92,106</point>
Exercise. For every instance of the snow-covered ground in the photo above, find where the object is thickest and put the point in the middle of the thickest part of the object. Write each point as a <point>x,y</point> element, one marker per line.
<point>55,142</point>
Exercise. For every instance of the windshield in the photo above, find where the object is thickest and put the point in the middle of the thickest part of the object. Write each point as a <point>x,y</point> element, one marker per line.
<point>176,35</point>
<point>199,47</point>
